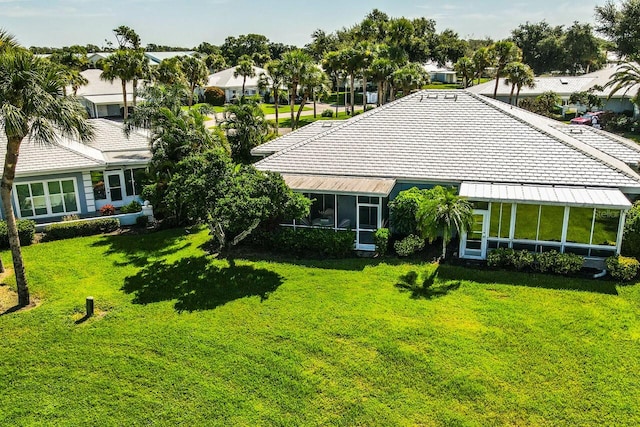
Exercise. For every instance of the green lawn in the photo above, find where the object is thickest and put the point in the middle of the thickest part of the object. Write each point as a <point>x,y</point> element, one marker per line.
<point>282,109</point>
<point>635,136</point>
<point>285,121</point>
<point>181,339</point>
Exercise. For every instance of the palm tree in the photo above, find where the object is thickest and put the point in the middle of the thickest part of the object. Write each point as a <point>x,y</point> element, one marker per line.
<point>409,77</point>
<point>7,41</point>
<point>24,79</point>
<point>366,57</point>
<point>295,64</point>
<point>196,73</point>
<point>169,72</point>
<point>313,80</point>
<point>274,80</point>
<point>245,69</point>
<point>76,80</point>
<point>120,65</point>
<point>502,53</point>
<point>248,128</point>
<point>442,214</point>
<point>381,70</point>
<point>626,77</point>
<point>481,60</point>
<point>465,68</point>
<point>518,75</point>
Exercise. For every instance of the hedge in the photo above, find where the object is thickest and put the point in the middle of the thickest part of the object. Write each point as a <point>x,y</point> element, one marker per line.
<point>623,268</point>
<point>306,241</point>
<point>552,261</point>
<point>68,230</point>
<point>26,232</point>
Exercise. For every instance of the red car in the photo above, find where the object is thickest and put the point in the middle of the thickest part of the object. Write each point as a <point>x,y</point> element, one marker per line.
<point>587,119</point>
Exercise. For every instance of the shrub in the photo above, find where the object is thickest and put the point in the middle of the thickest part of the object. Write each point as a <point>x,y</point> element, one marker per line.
<point>327,113</point>
<point>107,210</point>
<point>500,258</point>
<point>403,209</point>
<point>305,241</point>
<point>409,245</point>
<point>214,96</point>
<point>568,264</point>
<point>522,259</point>
<point>545,261</point>
<point>381,238</point>
<point>26,231</point>
<point>631,236</point>
<point>622,268</point>
<point>132,207</point>
<point>68,230</point>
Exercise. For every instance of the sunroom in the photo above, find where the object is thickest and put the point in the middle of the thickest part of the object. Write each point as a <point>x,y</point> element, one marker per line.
<point>344,203</point>
<point>580,220</point>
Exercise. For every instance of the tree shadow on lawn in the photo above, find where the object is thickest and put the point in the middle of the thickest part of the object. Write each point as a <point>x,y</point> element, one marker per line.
<point>197,284</point>
<point>531,280</point>
<point>139,248</point>
<point>426,288</point>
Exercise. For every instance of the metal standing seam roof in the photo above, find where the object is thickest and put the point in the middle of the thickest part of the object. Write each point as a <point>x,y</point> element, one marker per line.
<point>295,137</point>
<point>340,184</point>
<point>611,198</point>
<point>453,136</point>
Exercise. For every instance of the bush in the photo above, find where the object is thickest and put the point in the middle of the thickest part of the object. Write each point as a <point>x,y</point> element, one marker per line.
<point>409,245</point>
<point>545,261</point>
<point>327,113</point>
<point>68,230</point>
<point>500,258</point>
<point>132,207</point>
<point>567,264</point>
<point>26,231</point>
<point>381,238</point>
<point>305,241</point>
<point>622,268</point>
<point>107,210</point>
<point>522,260</point>
<point>631,236</point>
<point>214,96</point>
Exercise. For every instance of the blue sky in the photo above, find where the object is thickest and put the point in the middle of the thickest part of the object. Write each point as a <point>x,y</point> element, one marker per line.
<point>188,22</point>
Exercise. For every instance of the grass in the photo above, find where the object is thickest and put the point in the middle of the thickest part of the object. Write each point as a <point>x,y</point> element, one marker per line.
<point>305,120</point>
<point>634,136</point>
<point>282,109</point>
<point>181,338</point>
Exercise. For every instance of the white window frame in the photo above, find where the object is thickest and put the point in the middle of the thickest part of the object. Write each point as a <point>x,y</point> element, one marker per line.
<point>46,196</point>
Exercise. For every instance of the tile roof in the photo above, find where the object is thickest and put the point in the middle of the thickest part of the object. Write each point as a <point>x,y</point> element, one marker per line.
<point>453,136</point>
<point>225,78</point>
<point>98,86</point>
<point>109,147</point>
<point>295,137</point>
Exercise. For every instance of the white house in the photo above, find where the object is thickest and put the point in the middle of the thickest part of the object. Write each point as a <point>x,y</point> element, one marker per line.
<point>535,183</point>
<point>232,85</point>
<point>102,98</point>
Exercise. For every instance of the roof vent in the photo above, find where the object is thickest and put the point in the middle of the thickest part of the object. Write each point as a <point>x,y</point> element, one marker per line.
<point>576,131</point>
<point>432,96</point>
<point>327,124</point>
<point>564,81</point>
<point>451,96</point>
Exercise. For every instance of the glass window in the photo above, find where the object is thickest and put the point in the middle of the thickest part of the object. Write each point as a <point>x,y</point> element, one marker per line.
<point>138,179</point>
<point>605,227</point>
<point>551,221</point>
<point>46,198</point>
<point>480,205</point>
<point>24,200</point>
<point>527,222</point>
<point>500,223</point>
<point>368,217</point>
<point>322,209</point>
<point>579,229</point>
<point>97,181</point>
<point>369,200</point>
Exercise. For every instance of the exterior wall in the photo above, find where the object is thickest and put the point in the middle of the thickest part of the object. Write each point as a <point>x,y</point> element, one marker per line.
<point>79,187</point>
<point>618,105</point>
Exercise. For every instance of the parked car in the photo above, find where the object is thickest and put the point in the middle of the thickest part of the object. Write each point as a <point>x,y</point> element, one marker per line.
<point>587,118</point>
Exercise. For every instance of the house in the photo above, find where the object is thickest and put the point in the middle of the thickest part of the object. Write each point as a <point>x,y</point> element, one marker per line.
<point>564,87</point>
<point>232,85</point>
<point>442,74</point>
<point>535,183</point>
<point>103,98</point>
<point>155,58</point>
<point>70,177</point>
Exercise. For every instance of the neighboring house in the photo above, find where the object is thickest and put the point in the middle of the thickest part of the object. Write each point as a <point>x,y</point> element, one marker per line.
<point>232,85</point>
<point>535,183</point>
<point>102,98</point>
<point>564,87</point>
<point>441,74</point>
<point>156,58</point>
<point>69,177</point>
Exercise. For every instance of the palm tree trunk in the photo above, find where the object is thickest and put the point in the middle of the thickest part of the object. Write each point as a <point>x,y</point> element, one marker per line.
<point>315,112</point>
<point>292,103</point>
<point>495,90</point>
<point>513,88</point>
<point>193,88</point>
<point>444,248</point>
<point>364,93</point>
<point>275,102</point>
<point>352,101</point>
<point>244,82</point>
<point>135,91</point>
<point>517,96</point>
<point>8,175</point>
<point>125,112</point>
<point>302,103</point>
<point>379,100</point>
